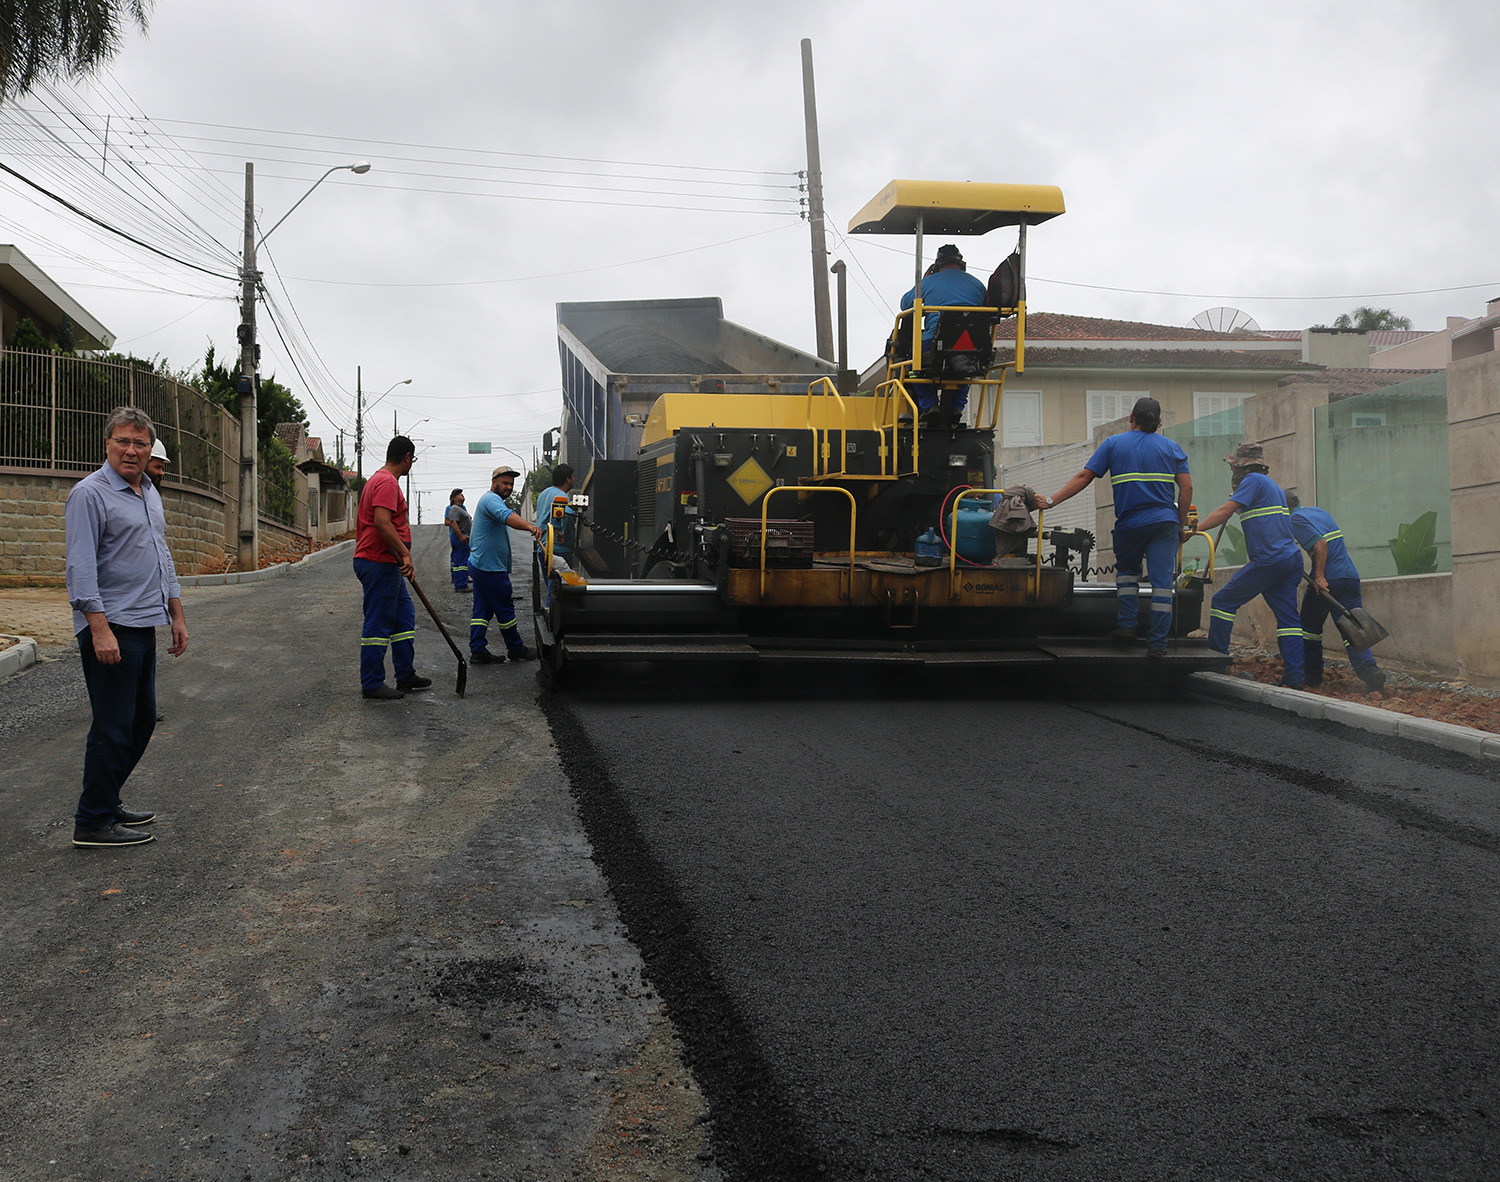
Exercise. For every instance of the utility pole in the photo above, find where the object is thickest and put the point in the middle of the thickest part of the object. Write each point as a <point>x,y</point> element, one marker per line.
<point>359,423</point>
<point>821,312</point>
<point>249,489</point>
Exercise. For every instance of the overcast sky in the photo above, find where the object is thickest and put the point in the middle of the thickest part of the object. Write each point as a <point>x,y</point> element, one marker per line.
<point>1289,159</point>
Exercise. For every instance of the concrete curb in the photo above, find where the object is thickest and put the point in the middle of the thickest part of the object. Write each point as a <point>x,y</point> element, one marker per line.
<point>21,655</point>
<point>234,578</point>
<point>1467,740</point>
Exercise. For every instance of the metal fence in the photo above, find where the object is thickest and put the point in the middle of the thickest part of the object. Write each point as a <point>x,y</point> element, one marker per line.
<point>52,412</point>
<point>281,485</point>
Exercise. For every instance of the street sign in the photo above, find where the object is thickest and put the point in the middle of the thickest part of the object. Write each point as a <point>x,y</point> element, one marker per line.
<point>479,449</point>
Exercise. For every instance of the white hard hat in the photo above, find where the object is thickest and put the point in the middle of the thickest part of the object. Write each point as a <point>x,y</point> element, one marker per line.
<point>159,452</point>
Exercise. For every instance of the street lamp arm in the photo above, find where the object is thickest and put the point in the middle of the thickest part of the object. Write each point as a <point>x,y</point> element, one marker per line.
<point>403,382</point>
<point>359,167</point>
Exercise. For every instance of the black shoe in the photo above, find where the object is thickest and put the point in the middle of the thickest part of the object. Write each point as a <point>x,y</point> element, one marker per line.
<point>483,656</point>
<point>1122,634</point>
<point>1312,682</point>
<point>126,817</point>
<point>413,683</point>
<point>1291,684</point>
<point>523,654</point>
<point>1156,653</point>
<point>1375,682</point>
<point>384,693</point>
<point>110,835</point>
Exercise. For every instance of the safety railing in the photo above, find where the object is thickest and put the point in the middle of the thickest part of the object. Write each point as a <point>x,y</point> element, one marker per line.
<point>892,400</point>
<point>1035,593</point>
<point>825,388</point>
<point>765,506</point>
<point>1198,533</point>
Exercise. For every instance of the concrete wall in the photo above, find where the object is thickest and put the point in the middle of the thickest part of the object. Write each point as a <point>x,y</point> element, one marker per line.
<point>1283,420</point>
<point>1474,474</point>
<point>195,528</point>
<point>1418,610</point>
<point>1337,348</point>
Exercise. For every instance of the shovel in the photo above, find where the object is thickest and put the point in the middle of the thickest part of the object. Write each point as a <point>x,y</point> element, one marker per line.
<point>1358,627</point>
<point>463,665</point>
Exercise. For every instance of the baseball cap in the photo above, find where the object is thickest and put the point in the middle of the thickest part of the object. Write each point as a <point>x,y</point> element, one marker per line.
<point>504,470</point>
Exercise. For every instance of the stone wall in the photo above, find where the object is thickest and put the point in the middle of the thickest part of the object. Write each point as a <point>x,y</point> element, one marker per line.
<point>1474,474</point>
<point>31,525</point>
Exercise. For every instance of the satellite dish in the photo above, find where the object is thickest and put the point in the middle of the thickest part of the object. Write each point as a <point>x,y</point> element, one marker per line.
<point>1225,320</point>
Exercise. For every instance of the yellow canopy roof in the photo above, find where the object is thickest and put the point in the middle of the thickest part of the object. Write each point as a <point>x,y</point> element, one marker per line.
<point>955,207</point>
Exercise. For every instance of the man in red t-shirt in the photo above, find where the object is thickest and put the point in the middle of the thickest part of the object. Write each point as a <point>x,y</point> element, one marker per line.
<point>382,555</point>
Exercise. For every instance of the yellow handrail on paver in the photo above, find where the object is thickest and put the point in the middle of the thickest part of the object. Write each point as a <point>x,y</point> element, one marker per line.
<point>821,467</point>
<point>765,505</point>
<point>1198,533</point>
<point>1036,586</point>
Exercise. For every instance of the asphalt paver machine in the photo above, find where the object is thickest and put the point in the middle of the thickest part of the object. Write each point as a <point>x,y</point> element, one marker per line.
<point>773,528</point>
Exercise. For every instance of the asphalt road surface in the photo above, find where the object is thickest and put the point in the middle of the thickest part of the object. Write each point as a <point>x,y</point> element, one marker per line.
<point>912,932</point>
<point>368,942</point>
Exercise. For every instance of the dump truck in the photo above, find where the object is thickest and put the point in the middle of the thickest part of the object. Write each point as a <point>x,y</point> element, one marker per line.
<point>781,519</point>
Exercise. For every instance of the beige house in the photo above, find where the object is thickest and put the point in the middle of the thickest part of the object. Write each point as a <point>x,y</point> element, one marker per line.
<point>1083,372</point>
<point>29,293</point>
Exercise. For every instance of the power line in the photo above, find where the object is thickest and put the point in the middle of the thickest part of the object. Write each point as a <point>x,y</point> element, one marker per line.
<point>65,203</point>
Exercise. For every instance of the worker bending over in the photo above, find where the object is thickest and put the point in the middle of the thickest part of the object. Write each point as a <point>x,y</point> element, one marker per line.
<point>1333,573</point>
<point>1275,566</point>
<point>1153,491</point>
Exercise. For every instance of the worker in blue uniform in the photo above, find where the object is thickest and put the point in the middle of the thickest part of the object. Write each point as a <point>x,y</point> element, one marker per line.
<point>946,284</point>
<point>565,532</point>
<point>1333,572</point>
<point>1153,491</point>
<point>1275,566</point>
<point>459,526</point>
<point>489,568</point>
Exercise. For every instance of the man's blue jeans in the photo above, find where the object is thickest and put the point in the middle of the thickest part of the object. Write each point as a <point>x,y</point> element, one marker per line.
<point>1315,612</point>
<point>1277,582</point>
<point>459,567</point>
<point>124,700</point>
<point>1157,545</point>
<point>390,623</point>
<point>493,600</point>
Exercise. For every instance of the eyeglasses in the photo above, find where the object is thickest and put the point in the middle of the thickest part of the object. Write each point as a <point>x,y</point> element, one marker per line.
<point>131,444</point>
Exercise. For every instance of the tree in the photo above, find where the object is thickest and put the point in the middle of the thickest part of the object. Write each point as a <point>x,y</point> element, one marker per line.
<point>274,404</point>
<point>1371,318</point>
<point>61,38</point>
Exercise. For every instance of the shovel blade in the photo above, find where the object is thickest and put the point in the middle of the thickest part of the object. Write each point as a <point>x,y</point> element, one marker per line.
<point>463,677</point>
<point>1360,629</point>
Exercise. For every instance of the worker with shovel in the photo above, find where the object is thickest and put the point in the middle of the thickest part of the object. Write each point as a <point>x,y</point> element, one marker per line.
<point>1334,574</point>
<point>1275,566</point>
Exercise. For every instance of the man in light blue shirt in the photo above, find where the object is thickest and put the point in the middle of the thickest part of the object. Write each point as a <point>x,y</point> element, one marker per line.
<point>489,570</point>
<point>122,585</point>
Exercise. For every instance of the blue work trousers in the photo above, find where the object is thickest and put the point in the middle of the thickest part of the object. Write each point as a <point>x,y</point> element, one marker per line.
<point>123,697</point>
<point>1315,612</point>
<point>1157,545</point>
<point>1277,582</point>
<point>390,623</point>
<point>493,601</point>
<point>460,563</point>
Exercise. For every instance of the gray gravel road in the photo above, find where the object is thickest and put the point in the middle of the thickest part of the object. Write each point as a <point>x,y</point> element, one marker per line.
<point>368,942</point>
<point>941,936</point>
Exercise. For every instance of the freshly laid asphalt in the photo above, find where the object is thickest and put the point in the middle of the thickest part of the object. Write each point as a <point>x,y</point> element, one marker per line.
<point>924,932</point>
<point>368,941</point>
<point>679,926</point>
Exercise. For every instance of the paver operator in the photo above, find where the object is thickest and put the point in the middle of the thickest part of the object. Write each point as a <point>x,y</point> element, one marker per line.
<point>946,284</point>
<point>460,525</point>
<point>1335,573</point>
<point>1153,491</point>
<point>1275,566</point>
<point>382,560</point>
<point>489,568</point>
<point>122,585</point>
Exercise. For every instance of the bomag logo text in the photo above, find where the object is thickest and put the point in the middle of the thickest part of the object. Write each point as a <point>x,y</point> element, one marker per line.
<point>984,588</point>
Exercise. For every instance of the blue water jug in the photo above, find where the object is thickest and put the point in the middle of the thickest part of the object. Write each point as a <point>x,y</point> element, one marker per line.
<point>929,549</point>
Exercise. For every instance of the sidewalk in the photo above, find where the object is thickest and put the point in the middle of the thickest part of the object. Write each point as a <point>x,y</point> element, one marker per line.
<point>369,941</point>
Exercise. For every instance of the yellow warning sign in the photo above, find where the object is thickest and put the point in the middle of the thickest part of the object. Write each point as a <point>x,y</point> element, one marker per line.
<point>750,481</point>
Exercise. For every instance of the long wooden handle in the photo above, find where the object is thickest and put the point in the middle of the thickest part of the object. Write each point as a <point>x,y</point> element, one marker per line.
<point>428,605</point>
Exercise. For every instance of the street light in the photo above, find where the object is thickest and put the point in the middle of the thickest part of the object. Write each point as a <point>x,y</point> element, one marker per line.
<point>249,524</point>
<point>359,414</point>
<point>358,168</point>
